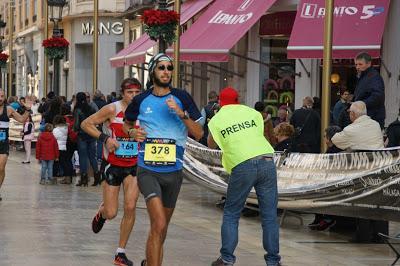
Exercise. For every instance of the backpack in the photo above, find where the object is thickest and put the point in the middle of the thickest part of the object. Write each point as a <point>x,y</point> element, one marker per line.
<point>72,135</point>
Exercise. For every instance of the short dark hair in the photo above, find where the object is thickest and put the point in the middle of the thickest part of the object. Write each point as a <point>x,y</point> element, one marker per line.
<point>51,95</point>
<point>59,119</point>
<point>212,95</point>
<point>130,81</point>
<point>259,106</point>
<point>364,55</point>
<point>331,131</point>
<point>343,90</point>
<point>65,109</point>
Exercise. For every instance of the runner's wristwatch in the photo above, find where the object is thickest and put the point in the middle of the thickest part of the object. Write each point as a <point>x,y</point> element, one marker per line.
<point>185,115</point>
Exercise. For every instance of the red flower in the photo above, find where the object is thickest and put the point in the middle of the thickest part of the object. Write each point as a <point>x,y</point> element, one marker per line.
<point>3,57</point>
<point>154,17</point>
<point>55,42</point>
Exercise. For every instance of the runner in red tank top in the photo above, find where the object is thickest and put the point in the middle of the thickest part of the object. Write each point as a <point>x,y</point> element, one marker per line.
<point>120,155</point>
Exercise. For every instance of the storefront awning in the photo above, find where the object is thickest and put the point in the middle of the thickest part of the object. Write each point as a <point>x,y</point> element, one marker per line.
<point>211,37</point>
<point>358,26</point>
<point>135,53</point>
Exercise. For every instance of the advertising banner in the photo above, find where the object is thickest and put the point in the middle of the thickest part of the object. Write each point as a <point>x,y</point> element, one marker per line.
<point>358,26</point>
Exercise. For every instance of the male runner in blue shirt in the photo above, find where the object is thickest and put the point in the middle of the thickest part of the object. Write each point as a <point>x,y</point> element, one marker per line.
<point>165,116</point>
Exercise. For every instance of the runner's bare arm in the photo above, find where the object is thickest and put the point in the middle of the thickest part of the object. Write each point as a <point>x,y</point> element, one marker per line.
<point>211,142</point>
<point>14,114</point>
<point>89,124</point>
<point>195,129</point>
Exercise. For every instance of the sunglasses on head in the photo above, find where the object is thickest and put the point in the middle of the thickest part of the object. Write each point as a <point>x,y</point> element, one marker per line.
<point>162,67</point>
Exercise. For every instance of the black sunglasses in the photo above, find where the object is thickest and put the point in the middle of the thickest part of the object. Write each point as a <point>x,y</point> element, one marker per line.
<point>162,67</point>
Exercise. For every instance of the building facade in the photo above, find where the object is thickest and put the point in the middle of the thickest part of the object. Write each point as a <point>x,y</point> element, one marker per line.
<point>272,77</point>
<point>76,66</point>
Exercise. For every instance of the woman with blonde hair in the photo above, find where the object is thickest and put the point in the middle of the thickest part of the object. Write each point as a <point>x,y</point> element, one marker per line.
<point>284,133</point>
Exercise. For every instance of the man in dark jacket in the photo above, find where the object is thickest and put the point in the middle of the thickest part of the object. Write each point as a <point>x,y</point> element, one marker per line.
<point>207,113</point>
<point>370,88</point>
<point>98,99</point>
<point>45,105</point>
<point>307,124</point>
<point>393,133</point>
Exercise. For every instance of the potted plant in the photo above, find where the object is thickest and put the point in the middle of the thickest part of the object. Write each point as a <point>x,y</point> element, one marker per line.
<point>55,47</point>
<point>3,59</point>
<point>160,24</point>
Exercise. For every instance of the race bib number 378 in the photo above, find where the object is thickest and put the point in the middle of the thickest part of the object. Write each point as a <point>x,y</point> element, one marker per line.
<point>160,152</point>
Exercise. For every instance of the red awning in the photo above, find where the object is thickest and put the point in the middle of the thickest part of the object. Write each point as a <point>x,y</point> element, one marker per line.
<point>358,26</point>
<point>135,53</point>
<point>211,37</point>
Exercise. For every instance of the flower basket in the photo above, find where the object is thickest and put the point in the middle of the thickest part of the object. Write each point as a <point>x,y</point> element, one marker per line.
<point>3,60</point>
<point>160,24</point>
<point>55,47</point>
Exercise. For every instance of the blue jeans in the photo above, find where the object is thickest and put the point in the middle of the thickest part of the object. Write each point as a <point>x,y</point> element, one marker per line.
<point>87,150</point>
<point>260,174</point>
<point>99,151</point>
<point>47,167</point>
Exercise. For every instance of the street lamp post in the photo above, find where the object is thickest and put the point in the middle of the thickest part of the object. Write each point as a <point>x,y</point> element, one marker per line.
<point>56,8</point>
<point>162,45</point>
<point>2,26</point>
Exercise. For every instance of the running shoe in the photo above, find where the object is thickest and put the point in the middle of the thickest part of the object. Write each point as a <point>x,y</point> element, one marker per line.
<point>325,224</point>
<point>98,221</point>
<point>122,260</point>
<point>220,262</point>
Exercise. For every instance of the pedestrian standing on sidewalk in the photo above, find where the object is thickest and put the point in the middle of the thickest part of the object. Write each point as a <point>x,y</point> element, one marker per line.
<point>47,152</point>
<point>72,145</point>
<point>60,132</point>
<point>247,156</point>
<point>28,134</point>
<point>5,113</point>
<point>86,143</point>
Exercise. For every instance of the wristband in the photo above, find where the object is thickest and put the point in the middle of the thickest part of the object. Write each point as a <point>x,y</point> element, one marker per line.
<point>103,137</point>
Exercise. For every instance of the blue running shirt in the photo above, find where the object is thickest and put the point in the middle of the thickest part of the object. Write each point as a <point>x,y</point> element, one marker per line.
<point>159,121</point>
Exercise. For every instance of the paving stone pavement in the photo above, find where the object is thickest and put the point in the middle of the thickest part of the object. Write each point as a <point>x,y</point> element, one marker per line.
<point>51,225</point>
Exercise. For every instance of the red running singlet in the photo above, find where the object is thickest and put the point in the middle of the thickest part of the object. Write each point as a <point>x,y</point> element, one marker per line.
<point>126,155</point>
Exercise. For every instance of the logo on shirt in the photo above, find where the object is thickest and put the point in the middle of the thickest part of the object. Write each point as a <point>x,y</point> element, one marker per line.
<point>148,110</point>
<point>237,127</point>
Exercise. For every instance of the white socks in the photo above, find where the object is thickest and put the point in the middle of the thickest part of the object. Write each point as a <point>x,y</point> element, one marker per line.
<point>120,250</point>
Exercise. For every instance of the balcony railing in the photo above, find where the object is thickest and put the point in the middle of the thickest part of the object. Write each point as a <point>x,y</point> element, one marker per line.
<point>135,3</point>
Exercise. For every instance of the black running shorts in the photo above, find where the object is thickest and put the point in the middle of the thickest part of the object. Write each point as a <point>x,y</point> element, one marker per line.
<point>166,186</point>
<point>4,147</point>
<point>115,175</point>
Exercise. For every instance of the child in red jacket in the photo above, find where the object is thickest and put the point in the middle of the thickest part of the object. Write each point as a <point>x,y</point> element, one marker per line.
<point>46,152</point>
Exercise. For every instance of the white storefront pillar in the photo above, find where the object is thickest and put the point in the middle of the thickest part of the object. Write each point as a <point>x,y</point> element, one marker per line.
<point>307,86</point>
<point>391,58</point>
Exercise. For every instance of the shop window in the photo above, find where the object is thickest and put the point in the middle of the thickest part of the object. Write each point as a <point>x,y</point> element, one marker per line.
<point>277,82</point>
